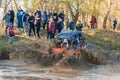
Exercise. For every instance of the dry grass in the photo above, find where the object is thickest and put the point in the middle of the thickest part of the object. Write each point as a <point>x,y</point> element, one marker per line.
<point>108,41</point>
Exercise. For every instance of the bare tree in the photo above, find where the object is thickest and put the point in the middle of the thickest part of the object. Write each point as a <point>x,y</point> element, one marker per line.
<point>107,14</point>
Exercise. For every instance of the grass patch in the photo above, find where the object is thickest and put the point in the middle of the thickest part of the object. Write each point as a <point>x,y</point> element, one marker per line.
<point>5,47</point>
<point>109,41</point>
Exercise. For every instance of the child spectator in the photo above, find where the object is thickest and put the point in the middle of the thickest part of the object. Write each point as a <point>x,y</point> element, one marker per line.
<point>10,33</point>
<point>51,29</point>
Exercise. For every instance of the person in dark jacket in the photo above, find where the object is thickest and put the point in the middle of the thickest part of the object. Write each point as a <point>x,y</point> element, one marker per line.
<point>6,18</point>
<point>79,26</point>
<point>71,25</point>
<point>38,12</point>
<point>37,24</point>
<point>12,15</point>
<point>31,21</point>
<point>114,24</point>
<point>61,15</point>
<point>25,21</point>
<point>50,14</point>
<point>60,25</point>
<point>19,18</point>
<point>55,21</point>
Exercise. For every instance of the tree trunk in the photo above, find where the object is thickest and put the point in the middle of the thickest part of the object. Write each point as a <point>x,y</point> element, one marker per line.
<point>110,21</point>
<point>5,9</point>
<point>106,16</point>
<point>84,19</point>
<point>74,17</point>
<point>16,6</point>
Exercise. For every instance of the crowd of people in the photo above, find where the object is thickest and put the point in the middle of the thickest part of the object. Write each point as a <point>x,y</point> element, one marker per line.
<point>51,21</point>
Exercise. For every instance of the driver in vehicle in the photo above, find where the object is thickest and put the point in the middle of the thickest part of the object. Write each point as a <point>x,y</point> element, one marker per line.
<point>65,44</point>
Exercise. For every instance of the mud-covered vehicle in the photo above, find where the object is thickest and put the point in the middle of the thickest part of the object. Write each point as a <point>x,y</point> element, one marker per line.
<point>72,37</point>
<point>72,52</point>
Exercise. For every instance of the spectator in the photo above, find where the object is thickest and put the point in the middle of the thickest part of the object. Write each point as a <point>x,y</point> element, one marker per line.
<point>51,28</point>
<point>71,25</point>
<point>50,14</point>
<point>79,26</point>
<point>31,21</point>
<point>55,14</point>
<point>25,21</point>
<point>37,24</point>
<point>12,15</point>
<point>48,20</point>
<point>10,33</point>
<point>93,22</point>
<point>61,15</point>
<point>60,25</point>
<point>38,12</point>
<point>55,21</point>
<point>6,18</point>
<point>114,24</point>
<point>44,18</point>
<point>19,18</point>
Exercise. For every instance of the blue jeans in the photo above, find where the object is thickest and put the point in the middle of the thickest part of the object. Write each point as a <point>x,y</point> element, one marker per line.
<point>92,26</point>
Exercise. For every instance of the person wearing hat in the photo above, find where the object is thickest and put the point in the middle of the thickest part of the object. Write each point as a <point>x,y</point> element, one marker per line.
<point>64,44</point>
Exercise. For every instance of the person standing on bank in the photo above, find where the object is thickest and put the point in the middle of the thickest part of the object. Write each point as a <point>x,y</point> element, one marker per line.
<point>61,15</point>
<point>55,22</point>
<point>71,25</point>
<point>51,29</point>
<point>37,25</point>
<point>38,12</point>
<point>6,18</point>
<point>12,15</point>
<point>19,18</point>
<point>31,21</point>
<point>44,18</point>
<point>114,23</point>
<point>25,21</point>
<point>93,22</point>
<point>60,25</point>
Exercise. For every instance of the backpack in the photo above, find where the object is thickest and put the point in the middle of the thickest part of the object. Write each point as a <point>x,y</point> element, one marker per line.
<point>10,31</point>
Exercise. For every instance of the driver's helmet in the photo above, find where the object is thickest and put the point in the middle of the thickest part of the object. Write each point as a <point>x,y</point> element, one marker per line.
<point>65,40</point>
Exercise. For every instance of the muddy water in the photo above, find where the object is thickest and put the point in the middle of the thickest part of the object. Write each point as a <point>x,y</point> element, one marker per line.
<point>18,70</point>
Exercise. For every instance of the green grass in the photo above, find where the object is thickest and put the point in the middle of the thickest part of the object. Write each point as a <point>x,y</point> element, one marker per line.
<point>109,41</point>
<point>5,47</point>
